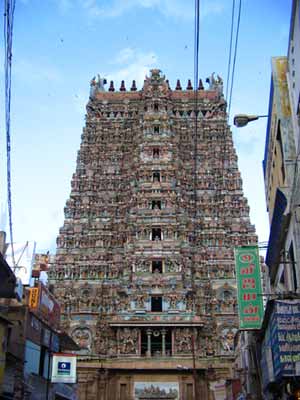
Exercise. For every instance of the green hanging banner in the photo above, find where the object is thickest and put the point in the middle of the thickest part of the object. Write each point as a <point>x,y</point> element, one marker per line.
<point>250,302</point>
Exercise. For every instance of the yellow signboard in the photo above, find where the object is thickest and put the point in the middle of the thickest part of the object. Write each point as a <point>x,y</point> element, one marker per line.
<point>33,297</point>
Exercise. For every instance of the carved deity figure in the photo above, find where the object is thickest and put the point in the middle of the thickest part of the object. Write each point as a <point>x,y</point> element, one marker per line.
<point>215,83</point>
<point>140,301</point>
<point>173,301</point>
<point>97,85</point>
<point>128,341</point>
<point>227,339</point>
<point>82,336</point>
<point>183,339</point>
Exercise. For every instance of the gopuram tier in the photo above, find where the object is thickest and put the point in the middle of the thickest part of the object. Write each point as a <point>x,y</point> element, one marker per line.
<point>144,269</point>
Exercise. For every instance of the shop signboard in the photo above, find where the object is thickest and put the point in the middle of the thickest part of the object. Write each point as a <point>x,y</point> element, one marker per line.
<point>63,368</point>
<point>41,263</point>
<point>49,307</point>
<point>250,302</point>
<point>45,306</point>
<point>285,337</point>
<point>34,297</point>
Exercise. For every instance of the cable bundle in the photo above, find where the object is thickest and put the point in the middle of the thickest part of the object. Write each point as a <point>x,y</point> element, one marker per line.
<point>9,9</point>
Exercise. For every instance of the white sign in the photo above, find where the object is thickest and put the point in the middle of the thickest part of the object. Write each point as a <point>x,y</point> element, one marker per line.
<point>63,368</point>
<point>23,255</point>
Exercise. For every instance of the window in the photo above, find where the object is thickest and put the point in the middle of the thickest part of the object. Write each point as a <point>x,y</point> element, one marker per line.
<point>156,234</point>
<point>279,139</point>
<point>157,266</point>
<point>155,153</point>
<point>156,205</point>
<point>160,342</point>
<point>156,129</point>
<point>156,176</point>
<point>43,367</point>
<point>32,357</point>
<point>123,391</point>
<point>155,106</point>
<point>156,304</point>
<point>189,391</point>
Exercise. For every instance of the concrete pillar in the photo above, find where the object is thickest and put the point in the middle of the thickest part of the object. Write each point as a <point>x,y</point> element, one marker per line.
<point>163,334</point>
<point>149,333</point>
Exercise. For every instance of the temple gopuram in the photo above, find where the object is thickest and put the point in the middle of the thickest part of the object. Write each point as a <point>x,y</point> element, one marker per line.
<point>144,268</point>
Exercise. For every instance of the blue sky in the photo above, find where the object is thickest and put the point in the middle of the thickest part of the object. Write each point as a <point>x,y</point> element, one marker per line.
<point>59,45</point>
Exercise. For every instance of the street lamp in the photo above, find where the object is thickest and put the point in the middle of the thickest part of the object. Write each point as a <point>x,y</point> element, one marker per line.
<point>241,120</point>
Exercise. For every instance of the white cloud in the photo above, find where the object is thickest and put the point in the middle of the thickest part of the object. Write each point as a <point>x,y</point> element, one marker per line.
<point>137,65</point>
<point>125,55</point>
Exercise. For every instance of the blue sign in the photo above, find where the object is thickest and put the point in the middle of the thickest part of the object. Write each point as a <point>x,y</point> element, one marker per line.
<point>63,368</point>
<point>285,337</point>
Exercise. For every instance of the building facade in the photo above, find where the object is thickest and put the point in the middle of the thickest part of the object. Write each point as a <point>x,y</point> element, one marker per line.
<point>279,168</point>
<point>144,269</point>
<point>279,337</point>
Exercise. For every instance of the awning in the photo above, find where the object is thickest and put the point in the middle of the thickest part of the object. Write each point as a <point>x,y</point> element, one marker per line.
<point>278,229</point>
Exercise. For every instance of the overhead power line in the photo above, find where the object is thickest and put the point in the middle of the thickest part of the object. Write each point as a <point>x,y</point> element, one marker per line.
<point>235,54</point>
<point>230,48</point>
<point>9,10</point>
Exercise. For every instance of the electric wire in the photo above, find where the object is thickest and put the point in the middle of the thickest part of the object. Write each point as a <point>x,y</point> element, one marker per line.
<point>9,10</point>
<point>230,48</point>
<point>235,54</point>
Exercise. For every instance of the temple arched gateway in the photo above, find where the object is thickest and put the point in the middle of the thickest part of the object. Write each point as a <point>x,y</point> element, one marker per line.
<point>144,268</point>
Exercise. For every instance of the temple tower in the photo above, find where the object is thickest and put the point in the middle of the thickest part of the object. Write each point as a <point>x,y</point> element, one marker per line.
<point>144,268</point>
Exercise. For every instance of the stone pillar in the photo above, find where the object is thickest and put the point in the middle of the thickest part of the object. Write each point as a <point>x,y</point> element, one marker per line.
<point>163,334</point>
<point>149,333</point>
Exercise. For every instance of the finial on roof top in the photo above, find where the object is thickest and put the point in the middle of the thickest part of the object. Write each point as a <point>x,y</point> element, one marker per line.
<point>111,87</point>
<point>200,87</point>
<point>122,88</point>
<point>189,85</point>
<point>133,86</point>
<point>178,85</point>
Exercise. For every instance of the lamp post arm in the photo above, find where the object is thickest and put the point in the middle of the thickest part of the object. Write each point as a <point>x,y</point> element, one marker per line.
<point>241,120</point>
